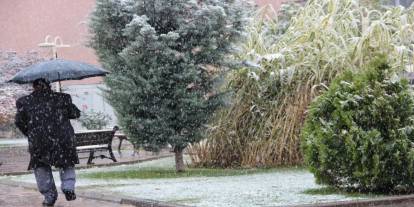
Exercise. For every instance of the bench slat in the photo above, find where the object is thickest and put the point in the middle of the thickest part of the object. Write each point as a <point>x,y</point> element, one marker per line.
<point>92,147</point>
<point>102,137</point>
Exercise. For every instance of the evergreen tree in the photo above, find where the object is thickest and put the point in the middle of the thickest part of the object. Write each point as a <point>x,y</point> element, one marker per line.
<point>165,57</point>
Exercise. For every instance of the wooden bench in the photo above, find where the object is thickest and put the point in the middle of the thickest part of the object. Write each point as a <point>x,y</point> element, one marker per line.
<point>95,141</point>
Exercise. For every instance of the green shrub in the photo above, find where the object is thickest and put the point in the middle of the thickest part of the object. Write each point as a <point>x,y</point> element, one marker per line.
<point>94,120</point>
<point>359,134</point>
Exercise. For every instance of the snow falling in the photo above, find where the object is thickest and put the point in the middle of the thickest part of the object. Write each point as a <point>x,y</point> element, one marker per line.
<point>225,97</point>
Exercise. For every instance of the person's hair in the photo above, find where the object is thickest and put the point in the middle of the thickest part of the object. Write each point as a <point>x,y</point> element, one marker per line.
<point>41,84</point>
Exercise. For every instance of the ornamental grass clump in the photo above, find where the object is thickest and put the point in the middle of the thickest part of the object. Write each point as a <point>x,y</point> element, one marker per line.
<point>359,134</point>
<point>262,126</point>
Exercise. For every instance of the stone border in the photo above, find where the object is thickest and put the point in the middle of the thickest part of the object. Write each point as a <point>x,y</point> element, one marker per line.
<point>16,173</point>
<point>107,197</point>
<point>123,163</point>
<point>148,203</point>
<point>94,166</point>
<point>389,200</point>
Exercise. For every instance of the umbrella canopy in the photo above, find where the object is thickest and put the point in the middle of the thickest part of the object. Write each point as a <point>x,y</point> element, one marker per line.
<point>57,70</point>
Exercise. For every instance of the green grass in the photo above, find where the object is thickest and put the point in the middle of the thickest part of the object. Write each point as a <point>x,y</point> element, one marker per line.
<point>157,173</point>
<point>331,190</point>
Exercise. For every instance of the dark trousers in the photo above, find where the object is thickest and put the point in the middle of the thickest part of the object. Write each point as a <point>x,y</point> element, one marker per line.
<point>46,183</point>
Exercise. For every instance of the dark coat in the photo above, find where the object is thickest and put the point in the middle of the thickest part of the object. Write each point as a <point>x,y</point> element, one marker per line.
<point>44,117</point>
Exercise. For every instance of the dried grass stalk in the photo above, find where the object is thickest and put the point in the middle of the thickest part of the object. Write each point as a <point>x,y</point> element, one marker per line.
<point>262,126</point>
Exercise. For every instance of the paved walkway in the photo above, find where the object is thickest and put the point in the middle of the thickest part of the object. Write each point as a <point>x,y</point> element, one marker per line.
<point>15,159</point>
<point>11,196</point>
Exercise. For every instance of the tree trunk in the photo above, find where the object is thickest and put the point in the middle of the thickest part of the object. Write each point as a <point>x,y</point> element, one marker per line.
<point>179,159</point>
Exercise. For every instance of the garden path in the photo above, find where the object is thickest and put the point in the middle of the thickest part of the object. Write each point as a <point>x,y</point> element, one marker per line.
<point>12,196</point>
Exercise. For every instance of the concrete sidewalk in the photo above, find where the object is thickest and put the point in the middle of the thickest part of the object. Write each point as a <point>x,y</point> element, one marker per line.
<point>22,194</point>
<point>14,196</point>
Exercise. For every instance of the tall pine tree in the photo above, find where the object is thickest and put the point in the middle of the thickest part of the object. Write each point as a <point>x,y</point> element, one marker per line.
<point>164,57</point>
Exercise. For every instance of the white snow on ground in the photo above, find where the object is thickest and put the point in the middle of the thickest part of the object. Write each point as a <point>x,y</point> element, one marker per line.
<point>276,188</point>
<point>13,142</point>
<point>269,189</point>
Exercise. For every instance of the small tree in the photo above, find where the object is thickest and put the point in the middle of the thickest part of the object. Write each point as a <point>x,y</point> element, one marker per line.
<point>359,134</point>
<point>165,57</point>
<point>94,119</point>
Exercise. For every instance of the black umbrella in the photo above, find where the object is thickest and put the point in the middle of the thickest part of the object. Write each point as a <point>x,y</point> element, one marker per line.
<point>57,70</point>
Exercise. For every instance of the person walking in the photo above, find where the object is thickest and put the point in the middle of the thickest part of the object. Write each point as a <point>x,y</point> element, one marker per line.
<point>44,118</point>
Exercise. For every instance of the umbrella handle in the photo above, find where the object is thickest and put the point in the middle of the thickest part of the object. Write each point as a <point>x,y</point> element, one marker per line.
<point>59,86</point>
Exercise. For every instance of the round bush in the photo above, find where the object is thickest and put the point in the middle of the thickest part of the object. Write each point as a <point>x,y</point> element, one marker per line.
<point>359,134</point>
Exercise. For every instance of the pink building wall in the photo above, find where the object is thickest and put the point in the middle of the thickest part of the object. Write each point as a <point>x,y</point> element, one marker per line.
<point>25,23</point>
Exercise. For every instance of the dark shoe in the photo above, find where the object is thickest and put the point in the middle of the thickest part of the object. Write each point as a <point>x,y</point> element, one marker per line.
<point>70,195</point>
<point>47,204</point>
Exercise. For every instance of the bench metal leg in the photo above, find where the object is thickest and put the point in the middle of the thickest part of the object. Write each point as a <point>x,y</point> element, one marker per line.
<point>119,147</point>
<point>91,157</point>
<point>120,143</point>
<point>112,154</point>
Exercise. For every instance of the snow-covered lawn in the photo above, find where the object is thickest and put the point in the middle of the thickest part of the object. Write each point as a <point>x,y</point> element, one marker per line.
<point>274,188</point>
